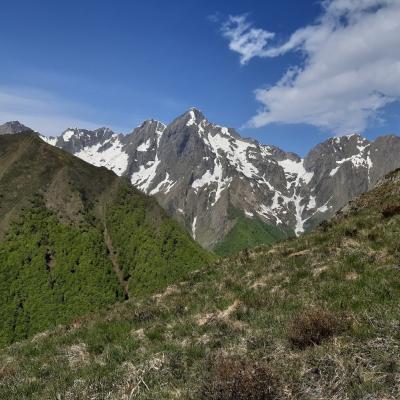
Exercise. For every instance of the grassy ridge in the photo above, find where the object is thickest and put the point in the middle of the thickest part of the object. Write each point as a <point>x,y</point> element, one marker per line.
<point>311,318</point>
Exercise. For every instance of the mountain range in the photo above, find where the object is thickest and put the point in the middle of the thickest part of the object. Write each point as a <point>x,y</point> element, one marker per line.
<point>106,296</point>
<point>230,192</point>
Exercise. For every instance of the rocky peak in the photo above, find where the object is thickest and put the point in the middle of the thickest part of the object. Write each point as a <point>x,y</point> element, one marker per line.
<point>330,154</point>
<point>76,140</point>
<point>195,115</point>
<point>13,127</point>
<point>191,118</point>
<point>151,124</point>
<point>104,131</point>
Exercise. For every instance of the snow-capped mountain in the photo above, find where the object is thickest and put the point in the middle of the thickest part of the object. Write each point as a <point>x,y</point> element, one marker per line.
<point>204,174</point>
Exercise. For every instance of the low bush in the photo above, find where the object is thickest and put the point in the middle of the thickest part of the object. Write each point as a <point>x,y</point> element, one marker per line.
<point>391,211</point>
<point>311,327</point>
<point>238,379</point>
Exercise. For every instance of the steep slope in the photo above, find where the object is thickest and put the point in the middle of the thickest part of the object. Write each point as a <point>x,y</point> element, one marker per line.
<point>248,233</point>
<point>75,237</point>
<point>200,171</point>
<point>311,318</point>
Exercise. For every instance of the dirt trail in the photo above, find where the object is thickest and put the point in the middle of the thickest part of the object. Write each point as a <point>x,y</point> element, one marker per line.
<point>114,260</point>
<point>108,241</point>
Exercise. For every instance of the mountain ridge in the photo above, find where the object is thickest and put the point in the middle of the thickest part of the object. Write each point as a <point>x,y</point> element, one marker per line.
<point>198,171</point>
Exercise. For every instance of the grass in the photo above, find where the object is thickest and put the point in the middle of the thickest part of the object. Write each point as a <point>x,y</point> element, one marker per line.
<point>228,327</point>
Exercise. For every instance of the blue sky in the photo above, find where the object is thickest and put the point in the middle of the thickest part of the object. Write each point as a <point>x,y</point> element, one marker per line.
<point>94,63</point>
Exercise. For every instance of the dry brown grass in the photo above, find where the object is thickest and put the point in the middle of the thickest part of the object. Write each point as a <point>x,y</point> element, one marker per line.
<point>311,327</point>
<point>235,379</point>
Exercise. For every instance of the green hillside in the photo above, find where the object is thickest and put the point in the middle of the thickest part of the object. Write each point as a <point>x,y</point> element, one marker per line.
<point>310,318</point>
<point>74,238</point>
<point>152,250</point>
<point>247,233</point>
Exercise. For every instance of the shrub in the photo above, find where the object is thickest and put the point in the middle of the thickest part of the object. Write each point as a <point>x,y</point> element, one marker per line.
<point>391,211</point>
<point>235,379</point>
<point>311,327</point>
<point>350,231</point>
<point>145,314</point>
<point>325,225</point>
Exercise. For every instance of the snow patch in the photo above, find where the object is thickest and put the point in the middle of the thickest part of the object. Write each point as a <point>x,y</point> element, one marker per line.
<point>214,177</point>
<point>113,158</point>
<point>235,150</point>
<point>194,227</point>
<point>323,208</point>
<point>333,172</point>
<point>311,203</point>
<point>296,168</point>
<point>164,186</point>
<point>144,146</point>
<point>50,140</point>
<point>142,179</point>
<point>295,171</point>
<point>358,160</point>
<point>267,213</point>
<point>192,119</point>
<point>67,135</point>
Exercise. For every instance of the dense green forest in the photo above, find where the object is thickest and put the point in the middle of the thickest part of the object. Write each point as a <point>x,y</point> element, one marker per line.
<point>152,250</point>
<point>74,238</point>
<point>50,273</point>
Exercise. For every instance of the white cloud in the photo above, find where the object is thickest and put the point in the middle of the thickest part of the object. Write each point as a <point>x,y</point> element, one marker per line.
<point>247,41</point>
<point>41,110</point>
<point>351,68</point>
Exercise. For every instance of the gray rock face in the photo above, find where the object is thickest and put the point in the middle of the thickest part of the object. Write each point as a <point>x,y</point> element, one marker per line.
<point>13,127</point>
<point>200,172</point>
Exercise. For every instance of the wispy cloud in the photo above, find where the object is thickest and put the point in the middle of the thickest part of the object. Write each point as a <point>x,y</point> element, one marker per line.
<point>41,110</point>
<point>215,17</point>
<point>249,42</point>
<point>350,72</point>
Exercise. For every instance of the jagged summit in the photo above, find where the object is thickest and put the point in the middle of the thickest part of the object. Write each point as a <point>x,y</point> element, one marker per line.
<point>104,129</point>
<point>148,123</point>
<point>198,113</point>
<point>191,117</point>
<point>13,127</point>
